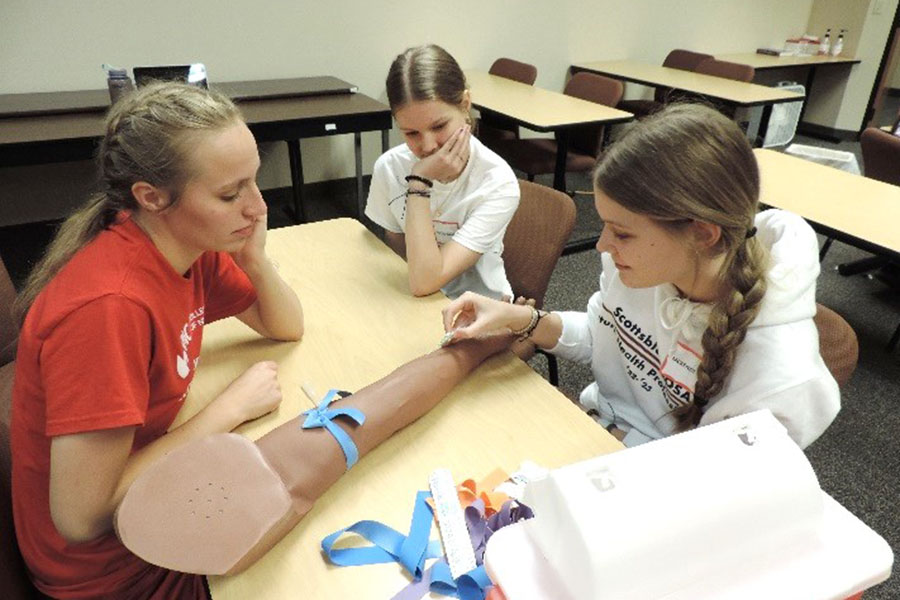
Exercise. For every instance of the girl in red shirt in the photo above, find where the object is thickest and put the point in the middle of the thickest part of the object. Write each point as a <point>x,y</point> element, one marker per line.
<point>112,320</point>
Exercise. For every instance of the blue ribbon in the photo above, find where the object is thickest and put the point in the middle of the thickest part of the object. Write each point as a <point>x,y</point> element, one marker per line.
<point>321,417</point>
<point>469,586</point>
<point>389,545</point>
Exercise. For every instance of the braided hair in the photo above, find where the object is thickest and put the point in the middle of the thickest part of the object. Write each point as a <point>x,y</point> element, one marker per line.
<point>688,162</point>
<point>149,136</point>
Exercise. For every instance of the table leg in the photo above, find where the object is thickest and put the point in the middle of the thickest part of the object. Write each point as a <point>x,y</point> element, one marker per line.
<point>357,149</point>
<point>562,150</point>
<point>297,211</point>
<point>763,125</point>
<point>809,82</point>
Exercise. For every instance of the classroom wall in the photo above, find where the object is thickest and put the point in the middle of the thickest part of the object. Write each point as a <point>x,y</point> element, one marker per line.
<point>46,45</point>
<point>841,100</point>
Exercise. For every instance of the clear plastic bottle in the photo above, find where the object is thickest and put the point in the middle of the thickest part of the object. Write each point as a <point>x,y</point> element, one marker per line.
<point>825,45</point>
<point>118,81</point>
<point>839,44</point>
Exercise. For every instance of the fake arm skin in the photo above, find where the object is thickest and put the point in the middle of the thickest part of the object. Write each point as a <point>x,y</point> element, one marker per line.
<point>90,472</point>
<point>306,461</point>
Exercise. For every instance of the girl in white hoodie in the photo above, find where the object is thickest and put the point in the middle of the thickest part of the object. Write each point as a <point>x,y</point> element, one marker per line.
<point>705,308</point>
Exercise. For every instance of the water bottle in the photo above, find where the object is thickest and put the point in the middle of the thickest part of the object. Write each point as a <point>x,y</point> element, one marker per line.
<point>118,81</point>
<point>825,46</point>
<point>839,44</point>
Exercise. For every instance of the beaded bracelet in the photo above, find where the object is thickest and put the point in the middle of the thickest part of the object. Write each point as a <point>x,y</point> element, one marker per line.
<point>536,316</point>
<point>420,179</point>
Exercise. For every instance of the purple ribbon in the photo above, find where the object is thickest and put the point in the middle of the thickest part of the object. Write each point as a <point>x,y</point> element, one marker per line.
<point>480,531</point>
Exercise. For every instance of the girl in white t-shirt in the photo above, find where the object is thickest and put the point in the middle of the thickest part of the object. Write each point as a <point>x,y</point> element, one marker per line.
<point>705,308</point>
<point>443,198</point>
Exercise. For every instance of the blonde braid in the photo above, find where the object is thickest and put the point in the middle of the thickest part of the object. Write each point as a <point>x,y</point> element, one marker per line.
<point>728,323</point>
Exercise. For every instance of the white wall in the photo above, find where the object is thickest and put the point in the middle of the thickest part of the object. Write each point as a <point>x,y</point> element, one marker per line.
<point>48,45</point>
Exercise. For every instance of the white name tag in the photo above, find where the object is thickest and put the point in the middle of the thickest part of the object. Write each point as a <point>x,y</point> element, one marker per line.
<point>681,366</point>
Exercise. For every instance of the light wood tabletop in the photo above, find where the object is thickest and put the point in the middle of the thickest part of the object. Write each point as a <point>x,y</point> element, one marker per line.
<point>540,110</point>
<point>361,323</point>
<point>537,108</point>
<point>850,206</point>
<point>762,62</point>
<point>734,92</point>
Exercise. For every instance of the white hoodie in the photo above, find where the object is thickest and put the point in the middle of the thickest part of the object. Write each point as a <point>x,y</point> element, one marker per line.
<point>644,347</point>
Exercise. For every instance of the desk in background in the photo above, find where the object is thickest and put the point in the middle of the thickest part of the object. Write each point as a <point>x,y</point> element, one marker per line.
<point>838,204</point>
<point>764,62</point>
<point>53,127</point>
<point>541,110</point>
<point>361,323</point>
<point>734,93</point>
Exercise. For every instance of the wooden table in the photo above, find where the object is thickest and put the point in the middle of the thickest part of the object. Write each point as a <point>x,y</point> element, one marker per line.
<point>764,62</point>
<point>735,93</point>
<point>842,205</point>
<point>541,110</point>
<point>361,323</point>
<point>63,126</point>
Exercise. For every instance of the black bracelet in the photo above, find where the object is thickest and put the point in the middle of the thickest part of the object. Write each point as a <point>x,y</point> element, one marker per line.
<point>420,179</point>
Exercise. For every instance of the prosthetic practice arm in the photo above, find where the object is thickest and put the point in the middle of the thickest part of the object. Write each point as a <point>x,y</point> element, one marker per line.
<point>216,505</point>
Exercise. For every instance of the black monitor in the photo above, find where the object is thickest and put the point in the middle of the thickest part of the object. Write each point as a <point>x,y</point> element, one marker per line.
<point>195,74</point>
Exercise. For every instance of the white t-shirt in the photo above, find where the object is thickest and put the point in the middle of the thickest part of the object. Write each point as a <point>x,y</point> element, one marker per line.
<point>473,210</point>
<point>644,347</point>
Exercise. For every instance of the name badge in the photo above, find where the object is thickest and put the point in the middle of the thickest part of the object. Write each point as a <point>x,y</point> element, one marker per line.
<point>681,365</point>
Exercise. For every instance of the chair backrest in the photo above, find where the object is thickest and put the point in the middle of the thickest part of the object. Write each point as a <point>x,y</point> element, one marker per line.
<point>515,70</point>
<point>837,343</point>
<point>494,127</point>
<point>728,70</point>
<point>685,59</point>
<point>13,575</point>
<point>593,88</point>
<point>535,239</point>
<point>679,59</point>
<point>881,155</point>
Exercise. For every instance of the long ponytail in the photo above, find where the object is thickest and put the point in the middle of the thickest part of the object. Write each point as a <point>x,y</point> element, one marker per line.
<point>148,138</point>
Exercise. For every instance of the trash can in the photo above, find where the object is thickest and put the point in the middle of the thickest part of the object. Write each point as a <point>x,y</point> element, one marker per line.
<point>845,161</point>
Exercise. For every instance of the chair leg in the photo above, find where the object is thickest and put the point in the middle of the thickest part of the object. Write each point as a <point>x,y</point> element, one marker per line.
<point>861,266</point>
<point>552,367</point>
<point>825,247</point>
<point>894,339</point>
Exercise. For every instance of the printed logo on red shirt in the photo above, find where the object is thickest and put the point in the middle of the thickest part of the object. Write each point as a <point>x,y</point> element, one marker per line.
<point>183,361</point>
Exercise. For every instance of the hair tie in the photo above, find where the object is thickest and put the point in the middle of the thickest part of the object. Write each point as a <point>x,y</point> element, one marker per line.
<point>751,232</point>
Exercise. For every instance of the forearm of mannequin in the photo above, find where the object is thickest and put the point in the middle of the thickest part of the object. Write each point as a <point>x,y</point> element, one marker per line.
<point>310,463</point>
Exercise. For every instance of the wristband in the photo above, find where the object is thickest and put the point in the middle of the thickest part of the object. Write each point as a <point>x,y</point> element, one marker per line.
<point>420,179</point>
<point>525,332</point>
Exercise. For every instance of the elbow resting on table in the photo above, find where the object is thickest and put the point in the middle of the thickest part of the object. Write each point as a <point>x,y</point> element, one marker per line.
<point>420,289</point>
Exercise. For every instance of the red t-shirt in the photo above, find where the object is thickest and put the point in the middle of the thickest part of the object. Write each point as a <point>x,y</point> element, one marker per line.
<point>112,341</point>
